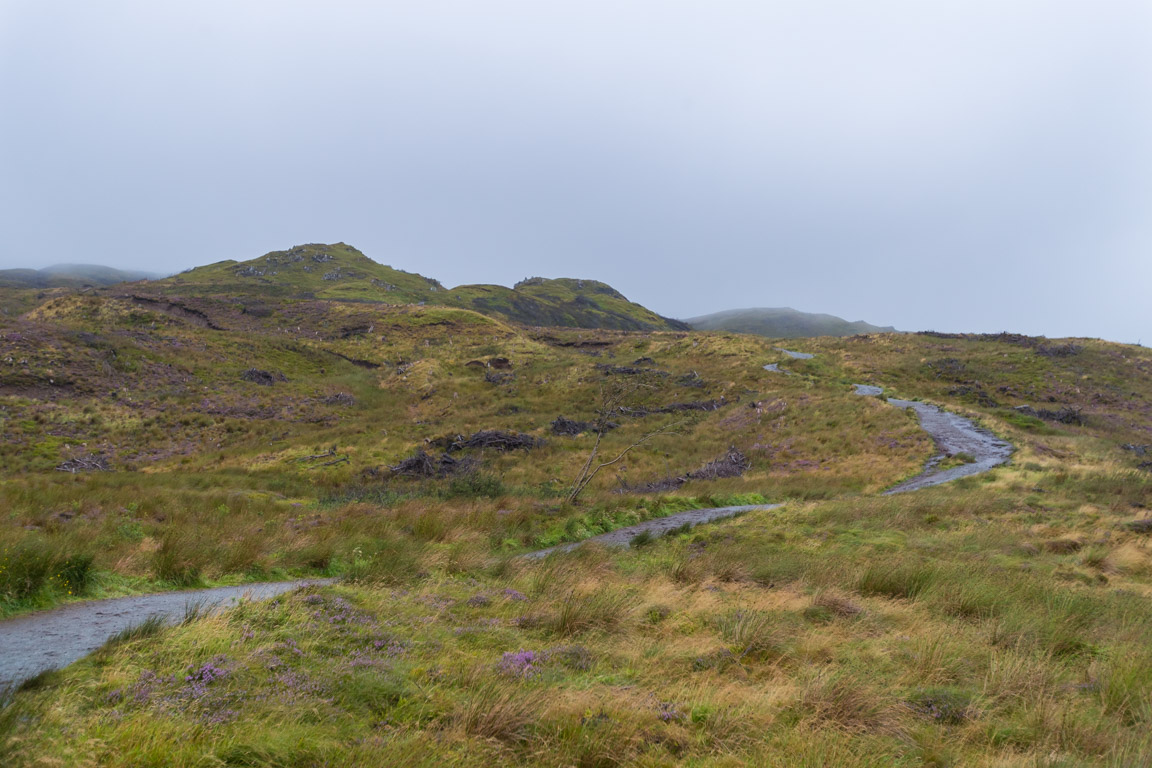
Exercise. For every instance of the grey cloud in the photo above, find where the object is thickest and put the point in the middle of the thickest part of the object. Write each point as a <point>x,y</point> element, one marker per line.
<point>968,165</point>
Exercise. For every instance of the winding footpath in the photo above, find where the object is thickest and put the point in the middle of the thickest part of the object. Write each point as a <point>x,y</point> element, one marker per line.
<point>40,641</point>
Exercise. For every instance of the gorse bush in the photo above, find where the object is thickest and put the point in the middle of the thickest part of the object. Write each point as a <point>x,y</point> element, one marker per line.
<point>30,568</point>
<point>75,573</point>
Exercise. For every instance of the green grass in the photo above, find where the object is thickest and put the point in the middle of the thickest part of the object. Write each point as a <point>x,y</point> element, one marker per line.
<point>995,622</point>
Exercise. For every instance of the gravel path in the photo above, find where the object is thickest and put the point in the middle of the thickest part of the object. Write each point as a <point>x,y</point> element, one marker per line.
<point>37,642</point>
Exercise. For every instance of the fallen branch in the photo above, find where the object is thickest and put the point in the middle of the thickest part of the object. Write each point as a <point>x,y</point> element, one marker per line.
<point>85,464</point>
<point>327,454</point>
<point>340,460</point>
<point>586,477</point>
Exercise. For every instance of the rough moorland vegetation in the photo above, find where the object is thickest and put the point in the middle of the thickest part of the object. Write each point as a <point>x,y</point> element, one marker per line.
<point>163,441</point>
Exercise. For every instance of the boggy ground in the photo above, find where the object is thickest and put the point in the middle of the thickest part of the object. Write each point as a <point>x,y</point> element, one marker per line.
<point>999,620</point>
<point>262,451</point>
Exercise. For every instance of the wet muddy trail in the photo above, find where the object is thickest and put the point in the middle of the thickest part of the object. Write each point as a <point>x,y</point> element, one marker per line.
<point>40,641</point>
<point>953,435</point>
<point>37,642</point>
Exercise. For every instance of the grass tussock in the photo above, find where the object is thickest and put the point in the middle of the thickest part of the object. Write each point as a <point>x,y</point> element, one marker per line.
<point>498,710</point>
<point>905,581</point>
<point>602,610</point>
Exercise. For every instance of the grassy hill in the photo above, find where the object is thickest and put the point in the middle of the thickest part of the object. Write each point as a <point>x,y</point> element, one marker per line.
<point>170,440</point>
<point>783,323</point>
<point>340,272</point>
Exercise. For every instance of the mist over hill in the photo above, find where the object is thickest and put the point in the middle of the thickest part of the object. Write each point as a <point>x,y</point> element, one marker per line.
<point>783,323</point>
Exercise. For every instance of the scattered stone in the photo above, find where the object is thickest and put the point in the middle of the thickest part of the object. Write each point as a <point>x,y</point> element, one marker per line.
<point>497,378</point>
<point>569,428</point>
<point>628,370</point>
<point>976,392</point>
<point>1144,525</point>
<point>948,366</point>
<point>263,378</point>
<point>1066,415</point>
<point>690,380</point>
<point>1063,546</point>
<point>1058,350</point>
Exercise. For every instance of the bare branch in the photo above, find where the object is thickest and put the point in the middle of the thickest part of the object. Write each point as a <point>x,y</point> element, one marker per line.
<point>584,480</point>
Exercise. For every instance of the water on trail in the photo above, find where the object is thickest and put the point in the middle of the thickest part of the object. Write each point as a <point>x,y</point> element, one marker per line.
<point>953,434</point>
<point>795,355</point>
<point>46,640</point>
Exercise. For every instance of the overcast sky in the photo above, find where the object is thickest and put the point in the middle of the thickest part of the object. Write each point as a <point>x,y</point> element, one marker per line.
<point>961,165</point>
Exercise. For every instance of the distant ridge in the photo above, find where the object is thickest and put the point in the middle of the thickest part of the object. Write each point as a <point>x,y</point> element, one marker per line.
<point>783,323</point>
<point>340,272</point>
<point>70,275</point>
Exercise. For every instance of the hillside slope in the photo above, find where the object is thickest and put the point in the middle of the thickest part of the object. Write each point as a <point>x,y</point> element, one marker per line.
<point>341,272</point>
<point>783,323</point>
